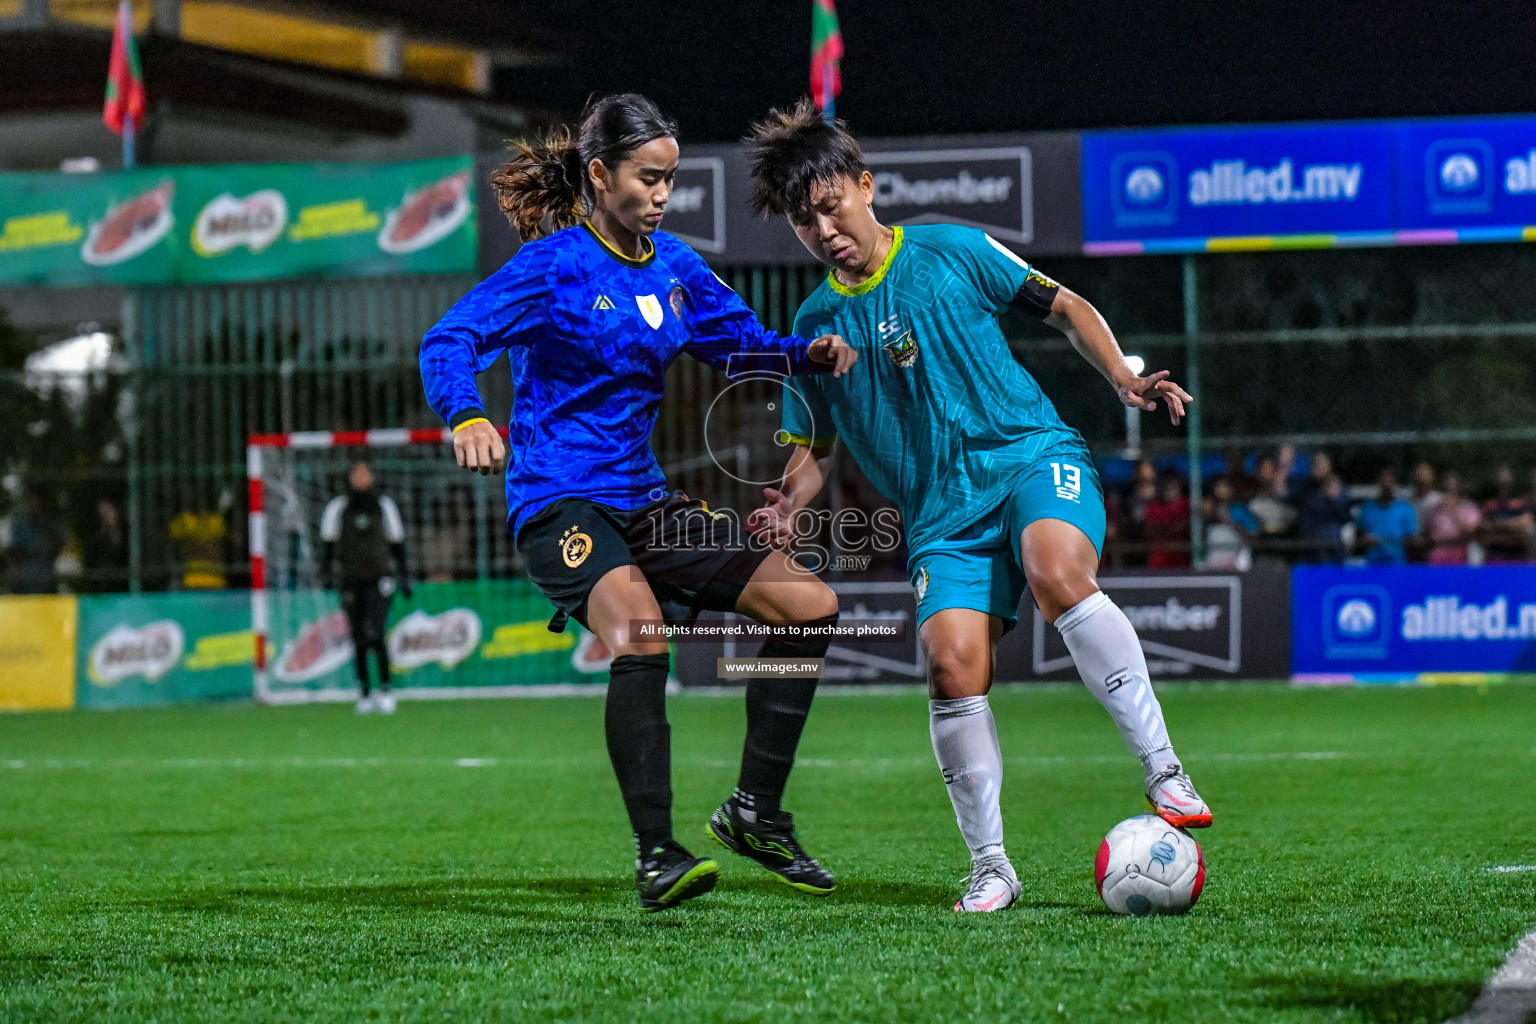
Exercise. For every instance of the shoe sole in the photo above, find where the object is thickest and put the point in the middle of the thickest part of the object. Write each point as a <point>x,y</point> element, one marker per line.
<point>1182,820</point>
<point>805,887</point>
<point>698,880</point>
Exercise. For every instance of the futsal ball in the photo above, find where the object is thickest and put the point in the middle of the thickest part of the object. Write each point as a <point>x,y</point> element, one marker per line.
<point>1146,866</point>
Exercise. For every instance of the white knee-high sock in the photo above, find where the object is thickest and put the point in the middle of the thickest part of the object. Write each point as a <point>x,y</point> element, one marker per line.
<point>1108,656</point>
<point>965,743</point>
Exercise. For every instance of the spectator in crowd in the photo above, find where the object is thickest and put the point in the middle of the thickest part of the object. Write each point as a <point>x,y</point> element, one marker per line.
<point>1531,500</point>
<point>1451,525</point>
<point>35,542</point>
<point>1167,525</point>
<point>1386,524</point>
<point>1285,461</point>
<point>1424,494</point>
<point>1130,513</point>
<point>1322,509</point>
<point>104,551</point>
<point>1508,522</point>
<point>1271,509</point>
<point>198,538</point>
<point>1244,485</point>
<point>1229,527</point>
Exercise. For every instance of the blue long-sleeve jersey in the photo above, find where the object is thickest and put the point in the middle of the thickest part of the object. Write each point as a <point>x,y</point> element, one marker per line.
<point>591,333</point>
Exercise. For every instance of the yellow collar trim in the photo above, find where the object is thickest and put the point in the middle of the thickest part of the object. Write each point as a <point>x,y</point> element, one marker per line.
<point>628,260</point>
<point>875,278</point>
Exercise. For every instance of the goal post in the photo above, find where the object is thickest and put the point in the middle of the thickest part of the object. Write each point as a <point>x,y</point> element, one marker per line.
<point>475,625</point>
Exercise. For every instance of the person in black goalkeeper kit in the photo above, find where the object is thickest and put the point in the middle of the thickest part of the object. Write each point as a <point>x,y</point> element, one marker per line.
<point>362,530</point>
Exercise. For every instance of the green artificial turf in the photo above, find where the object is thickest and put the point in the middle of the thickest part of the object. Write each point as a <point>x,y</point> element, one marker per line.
<point>466,861</point>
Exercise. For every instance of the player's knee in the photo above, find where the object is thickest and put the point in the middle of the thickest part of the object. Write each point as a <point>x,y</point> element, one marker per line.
<point>1057,587</point>
<point>642,647</point>
<point>819,602</point>
<point>955,670</point>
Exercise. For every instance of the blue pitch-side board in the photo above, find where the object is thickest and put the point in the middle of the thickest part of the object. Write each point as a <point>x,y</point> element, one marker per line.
<point>1378,182</point>
<point>1410,621</point>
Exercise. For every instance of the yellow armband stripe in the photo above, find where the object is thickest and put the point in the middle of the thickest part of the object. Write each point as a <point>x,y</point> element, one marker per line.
<point>785,437</point>
<point>477,419</point>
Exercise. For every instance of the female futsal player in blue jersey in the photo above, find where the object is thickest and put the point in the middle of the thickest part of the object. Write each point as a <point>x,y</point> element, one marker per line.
<point>592,310</point>
<point>995,490</point>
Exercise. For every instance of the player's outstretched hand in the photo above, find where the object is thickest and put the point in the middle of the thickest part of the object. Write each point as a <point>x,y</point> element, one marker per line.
<point>773,521</point>
<point>1143,393</point>
<point>831,350</point>
<point>478,447</point>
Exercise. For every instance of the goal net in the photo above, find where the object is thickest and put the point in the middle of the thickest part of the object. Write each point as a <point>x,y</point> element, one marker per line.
<point>474,626</point>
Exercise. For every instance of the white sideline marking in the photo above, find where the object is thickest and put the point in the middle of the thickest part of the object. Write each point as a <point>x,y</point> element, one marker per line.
<point>1514,867</point>
<point>477,762</point>
<point>1509,996</point>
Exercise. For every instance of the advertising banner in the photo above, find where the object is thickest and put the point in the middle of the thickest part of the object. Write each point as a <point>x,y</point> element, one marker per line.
<point>68,229</point>
<point>238,222</point>
<point>1022,189</point>
<point>1192,626</point>
<point>488,636</point>
<point>37,652</point>
<point>1423,623</point>
<point>893,657</point>
<point>1462,179</point>
<point>1186,189</point>
<point>138,649</point>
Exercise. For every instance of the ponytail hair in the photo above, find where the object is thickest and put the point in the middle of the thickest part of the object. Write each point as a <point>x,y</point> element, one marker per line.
<point>547,183</point>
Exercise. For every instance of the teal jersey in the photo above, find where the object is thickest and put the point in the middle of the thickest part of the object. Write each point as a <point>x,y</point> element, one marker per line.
<point>937,413</point>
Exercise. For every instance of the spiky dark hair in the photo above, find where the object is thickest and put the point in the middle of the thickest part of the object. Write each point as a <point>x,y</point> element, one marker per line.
<point>794,150</point>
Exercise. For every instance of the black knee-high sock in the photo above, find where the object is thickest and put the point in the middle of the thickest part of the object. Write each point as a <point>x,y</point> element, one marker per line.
<point>640,743</point>
<point>776,712</point>
<point>360,650</point>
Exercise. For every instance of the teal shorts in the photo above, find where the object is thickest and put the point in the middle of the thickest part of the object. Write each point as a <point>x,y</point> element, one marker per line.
<point>979,566</point>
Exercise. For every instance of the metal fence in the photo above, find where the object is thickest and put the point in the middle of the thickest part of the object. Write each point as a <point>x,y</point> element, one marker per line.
<point>1379,356</point>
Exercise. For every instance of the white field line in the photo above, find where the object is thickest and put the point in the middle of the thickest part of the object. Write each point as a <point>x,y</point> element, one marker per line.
<point>1512,868</point>
<point>1509,996</point>
<point>196,763</point>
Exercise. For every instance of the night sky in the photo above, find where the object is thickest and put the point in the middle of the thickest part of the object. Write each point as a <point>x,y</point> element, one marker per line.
<point>921,68</point>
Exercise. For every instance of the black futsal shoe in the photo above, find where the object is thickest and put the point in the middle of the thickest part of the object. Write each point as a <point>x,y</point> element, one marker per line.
<point>771,842</point>
<point>669,874</point>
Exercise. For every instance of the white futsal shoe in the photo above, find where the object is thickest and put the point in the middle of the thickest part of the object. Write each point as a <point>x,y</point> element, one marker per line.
<point>991,885</point>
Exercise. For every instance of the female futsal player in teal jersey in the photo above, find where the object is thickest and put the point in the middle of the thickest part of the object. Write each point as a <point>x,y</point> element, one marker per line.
<point>996,491</point>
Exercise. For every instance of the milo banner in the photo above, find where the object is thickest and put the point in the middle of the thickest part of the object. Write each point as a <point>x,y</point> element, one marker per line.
<point>238,222</point>
<point>481,637</point>
<point>163,648</point>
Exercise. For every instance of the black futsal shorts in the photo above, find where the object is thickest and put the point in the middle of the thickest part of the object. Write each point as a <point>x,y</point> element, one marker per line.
<point>695,560</point>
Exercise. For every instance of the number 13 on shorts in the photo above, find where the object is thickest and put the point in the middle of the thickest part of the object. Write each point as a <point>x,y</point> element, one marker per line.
<point>1069,481</point>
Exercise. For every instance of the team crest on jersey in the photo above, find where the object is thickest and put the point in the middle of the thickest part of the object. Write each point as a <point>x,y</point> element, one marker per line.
<point>898,343</point>
<point>603,302</point>
<point>575,546</point>
<point>921,586</point>
<point>650,309</point>
<point>679,301</point>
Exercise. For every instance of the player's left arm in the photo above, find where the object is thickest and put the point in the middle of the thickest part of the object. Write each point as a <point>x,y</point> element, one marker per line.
<point>1002,278</point>
<point>1074,316</point>
<point>394,535</point>
<point>725,329</point>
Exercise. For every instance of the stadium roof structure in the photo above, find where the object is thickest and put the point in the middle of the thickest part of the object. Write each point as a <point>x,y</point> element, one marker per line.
<point>252,81</point>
